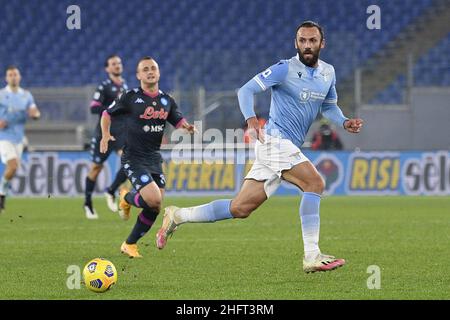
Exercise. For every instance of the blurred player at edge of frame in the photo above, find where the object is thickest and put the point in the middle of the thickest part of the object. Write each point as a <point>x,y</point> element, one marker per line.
<point>301,87</point>
<point>145,111</point>
<point>106,93</point>
<point>15,105</point>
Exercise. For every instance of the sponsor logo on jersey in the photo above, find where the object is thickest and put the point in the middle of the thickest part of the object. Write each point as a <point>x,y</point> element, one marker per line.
<point>307,95</point>
<point>151,113</point>
<point>153,128</point>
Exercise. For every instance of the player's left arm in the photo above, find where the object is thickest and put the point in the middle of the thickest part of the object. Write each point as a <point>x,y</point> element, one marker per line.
<point>332,112</point>
<point>32,109</point>
<point>176,119</point>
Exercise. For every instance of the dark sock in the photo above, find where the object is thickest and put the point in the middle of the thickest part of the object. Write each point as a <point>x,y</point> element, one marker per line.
<point>89,189</point>
<point>136,200</point>
<point>129,197</point>
<point>144,222</point>
<point>120,178</point>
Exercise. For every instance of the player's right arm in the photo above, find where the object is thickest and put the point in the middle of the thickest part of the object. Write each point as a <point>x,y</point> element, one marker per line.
<point>272,76</point>
<point>120,106</point>
<point>98,100</point>
<point>105,123</point>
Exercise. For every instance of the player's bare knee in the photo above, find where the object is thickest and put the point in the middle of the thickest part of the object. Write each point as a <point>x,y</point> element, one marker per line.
<point>95,171</point>
<point>316,185</point>
<point>240,211</point>
<point>154,202</point>
<point>12,167</point>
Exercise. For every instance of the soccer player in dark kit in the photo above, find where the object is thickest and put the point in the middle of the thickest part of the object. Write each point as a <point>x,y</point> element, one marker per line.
<point>145,111</point>
<point>105,94</point>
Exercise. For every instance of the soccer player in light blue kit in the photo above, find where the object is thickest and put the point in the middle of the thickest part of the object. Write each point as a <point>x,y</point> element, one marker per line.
<point>301,87</point>
<point>15,105</point>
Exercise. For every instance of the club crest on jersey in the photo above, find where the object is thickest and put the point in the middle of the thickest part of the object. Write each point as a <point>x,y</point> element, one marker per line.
<point>151,113</point>
<point>164,101</point>
<point>325,76</point>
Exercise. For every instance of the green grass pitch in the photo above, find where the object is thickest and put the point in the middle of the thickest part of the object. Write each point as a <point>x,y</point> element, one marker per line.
<point>257,258</point>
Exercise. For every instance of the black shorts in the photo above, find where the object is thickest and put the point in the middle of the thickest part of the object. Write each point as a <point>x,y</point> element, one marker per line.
<point>141,175</point>
<point>98,157</point>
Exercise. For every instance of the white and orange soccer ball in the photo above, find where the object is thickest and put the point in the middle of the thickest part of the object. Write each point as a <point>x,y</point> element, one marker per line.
<point>99,275</point>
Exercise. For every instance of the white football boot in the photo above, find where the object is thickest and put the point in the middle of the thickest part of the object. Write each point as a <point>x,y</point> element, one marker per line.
<point>168,227</point>
<point>111,202</point>
<point>90,212</point>
<point>322,262</point>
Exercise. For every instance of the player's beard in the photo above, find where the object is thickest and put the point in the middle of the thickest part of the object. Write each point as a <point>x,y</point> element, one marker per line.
<point>310,62</point>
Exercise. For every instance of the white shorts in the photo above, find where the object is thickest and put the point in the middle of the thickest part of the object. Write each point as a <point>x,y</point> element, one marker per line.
<point>272,157</point>
<point>10,150</point>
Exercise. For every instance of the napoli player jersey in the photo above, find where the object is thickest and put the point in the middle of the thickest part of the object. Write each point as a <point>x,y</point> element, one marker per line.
<point>299,93</point>
<point>105,94</point>
<point>13,109</point>
<point>145,118</point>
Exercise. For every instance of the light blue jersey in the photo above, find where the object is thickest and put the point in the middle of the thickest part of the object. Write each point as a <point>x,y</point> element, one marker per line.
<point>299,93</point>
<point>13,110</point>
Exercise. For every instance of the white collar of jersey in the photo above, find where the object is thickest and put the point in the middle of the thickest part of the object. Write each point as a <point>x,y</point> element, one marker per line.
<point>8,89</point>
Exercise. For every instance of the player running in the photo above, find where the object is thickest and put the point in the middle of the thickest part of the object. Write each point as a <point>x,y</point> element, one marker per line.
<point>301,87</point>
<point>15,105</point>
<point>105,94</point>
<point>145,111</point>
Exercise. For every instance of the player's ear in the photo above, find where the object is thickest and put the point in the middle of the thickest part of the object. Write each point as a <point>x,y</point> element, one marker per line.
<point>322,44</point>
<point>295,43</point>
<point>137,76</point>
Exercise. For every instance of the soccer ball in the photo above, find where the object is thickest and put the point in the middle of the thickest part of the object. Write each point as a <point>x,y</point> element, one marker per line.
<point>99,275</point>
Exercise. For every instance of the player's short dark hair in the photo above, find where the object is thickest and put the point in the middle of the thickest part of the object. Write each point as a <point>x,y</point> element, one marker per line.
<point>110,57</point>
<point>144,59</point>
<point>11,67</point>
<point>310,24</point>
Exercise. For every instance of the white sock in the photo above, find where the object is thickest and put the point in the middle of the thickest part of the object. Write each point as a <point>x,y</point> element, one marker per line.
<point>4,186</point>
<point>210,212</point>
<point>310,218</point>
